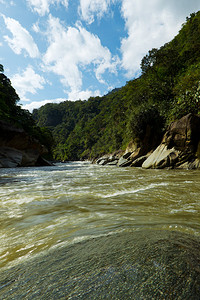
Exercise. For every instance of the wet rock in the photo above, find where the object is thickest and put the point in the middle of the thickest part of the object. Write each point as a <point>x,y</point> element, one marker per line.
<point>10,157</point>
<point>104,160</point>
<point>112,163</point>
<point>110,159</point>
<point>123,162</point>
<point>17,148</point>
<point>162,157</point>
<point>127,155</point>
<point>144,264</point>
<point>184,133</point>
<point>139,161</point>
<point>179,147</point>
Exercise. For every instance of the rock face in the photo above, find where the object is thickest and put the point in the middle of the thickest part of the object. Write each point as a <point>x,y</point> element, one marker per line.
<point>179,147</point>
<point>109,159</point>
<point>18,149</point>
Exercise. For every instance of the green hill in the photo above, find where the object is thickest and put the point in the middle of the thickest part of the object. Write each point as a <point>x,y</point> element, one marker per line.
<point>12,114</point>
<point>168,88</point>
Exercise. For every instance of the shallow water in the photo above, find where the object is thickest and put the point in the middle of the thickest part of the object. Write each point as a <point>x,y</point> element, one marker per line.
<point>47,208</point>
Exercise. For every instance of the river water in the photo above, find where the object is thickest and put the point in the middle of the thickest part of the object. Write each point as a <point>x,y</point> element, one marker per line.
<point>49,208</point>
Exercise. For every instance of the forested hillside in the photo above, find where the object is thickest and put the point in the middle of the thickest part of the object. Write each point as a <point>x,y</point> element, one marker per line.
<point>168,88</point>
<point>13,114</point>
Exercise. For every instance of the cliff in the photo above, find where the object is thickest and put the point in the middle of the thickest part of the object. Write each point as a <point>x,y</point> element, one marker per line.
<point>18,149</point>
<point>179,148</point>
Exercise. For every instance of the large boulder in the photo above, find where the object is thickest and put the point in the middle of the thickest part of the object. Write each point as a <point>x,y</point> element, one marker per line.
<point>109,159</point>
<point>162,157</point>
<point>10,157</point>
<point>123,162</point>
<point>179,147</point>
<point>139,161</point>
<point>137,151</point>
<point>17,148</point>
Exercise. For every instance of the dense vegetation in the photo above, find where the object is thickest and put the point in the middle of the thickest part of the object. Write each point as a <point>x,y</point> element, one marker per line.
<point>168,88</point>
<point>13,114</point>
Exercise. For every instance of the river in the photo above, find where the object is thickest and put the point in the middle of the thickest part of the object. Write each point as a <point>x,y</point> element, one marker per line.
<point>46,209</point>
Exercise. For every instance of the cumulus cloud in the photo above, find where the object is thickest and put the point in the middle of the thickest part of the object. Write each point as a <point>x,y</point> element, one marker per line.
<point>83,95</point>
<point>72,50</point>
<point>27,82</point>
<point>36,27</point>
<point>21,40</point>
<point>88,9</point>
<point>150,24</point>
<point>42,6</point>
<point>37,104</point>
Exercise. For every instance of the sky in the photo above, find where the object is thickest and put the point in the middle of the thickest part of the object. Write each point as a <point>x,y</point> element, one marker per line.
<point>57,50</point>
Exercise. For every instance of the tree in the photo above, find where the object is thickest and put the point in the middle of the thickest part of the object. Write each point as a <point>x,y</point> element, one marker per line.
<point>1,68</point>
<point>148,60</point>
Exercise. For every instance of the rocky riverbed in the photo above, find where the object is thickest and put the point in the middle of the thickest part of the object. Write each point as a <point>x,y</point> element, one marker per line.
<point>129,265</point>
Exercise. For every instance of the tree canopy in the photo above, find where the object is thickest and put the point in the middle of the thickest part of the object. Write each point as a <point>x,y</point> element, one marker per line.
<point>12,113</point>
<point>168,88</point>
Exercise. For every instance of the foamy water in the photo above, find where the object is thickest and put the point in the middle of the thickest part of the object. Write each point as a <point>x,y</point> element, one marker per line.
<point>49,207</point>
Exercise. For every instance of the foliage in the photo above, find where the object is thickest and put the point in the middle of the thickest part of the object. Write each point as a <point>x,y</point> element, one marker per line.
<point>8,98</point>
<point>188,102</point>
<point>168,88</point>
<point>10,112</point>
<point>1,68</point>
<point>142,118</point>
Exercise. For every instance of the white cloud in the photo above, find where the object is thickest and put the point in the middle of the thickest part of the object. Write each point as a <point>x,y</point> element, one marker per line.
<point>21,38</point>
<point>88,9</point>
<point>150,24</point>
<point>74,49</point>
<point>73,96</point>
<point>27,82</point>
<point>42,6</point>
<point>83,95</point>
<point>37,104</point>
<point>36,27</point>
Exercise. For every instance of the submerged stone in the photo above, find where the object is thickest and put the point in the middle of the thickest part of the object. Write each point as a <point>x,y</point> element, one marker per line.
<point>143,264</point>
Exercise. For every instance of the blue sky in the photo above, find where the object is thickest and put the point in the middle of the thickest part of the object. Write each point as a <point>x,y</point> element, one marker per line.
<point>54,50</point>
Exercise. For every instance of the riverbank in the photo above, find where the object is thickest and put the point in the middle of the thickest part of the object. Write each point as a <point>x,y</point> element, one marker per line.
<point>18,149</point>
<point>179,149</point>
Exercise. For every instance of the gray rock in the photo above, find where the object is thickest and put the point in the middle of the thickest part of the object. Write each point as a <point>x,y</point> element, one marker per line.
<point>112,163</point>
<point>109,159</point>
<point>127,155</point>
<point>162,157</point>
<point>139,161</point>
<point>17,148</point>
<point>190,165</point>
<point>142,264</point>
<point>123,162</point>
<point>179,147</point>
<point>103,162</point>
<point>9,157</point>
